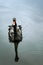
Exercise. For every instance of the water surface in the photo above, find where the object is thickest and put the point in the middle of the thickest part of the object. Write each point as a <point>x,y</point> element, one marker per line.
<point>29,13</point>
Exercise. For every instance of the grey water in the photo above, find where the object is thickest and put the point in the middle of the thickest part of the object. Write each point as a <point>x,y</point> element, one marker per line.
<point>29,14</point>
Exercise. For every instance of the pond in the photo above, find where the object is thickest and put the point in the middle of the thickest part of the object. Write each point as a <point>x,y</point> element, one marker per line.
<point>29,14</point>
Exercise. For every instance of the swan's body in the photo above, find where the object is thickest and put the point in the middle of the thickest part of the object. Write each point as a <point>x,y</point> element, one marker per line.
<point>11,33</point>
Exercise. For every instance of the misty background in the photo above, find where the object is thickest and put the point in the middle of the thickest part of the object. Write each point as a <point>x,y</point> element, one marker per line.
<point>29,14</point>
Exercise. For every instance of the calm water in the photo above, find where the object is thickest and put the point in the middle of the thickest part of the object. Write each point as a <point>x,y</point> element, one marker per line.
<point>29,14</point>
